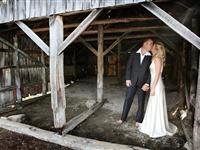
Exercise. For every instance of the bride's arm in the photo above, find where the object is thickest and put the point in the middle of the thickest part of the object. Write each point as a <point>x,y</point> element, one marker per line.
<point>158,64</point>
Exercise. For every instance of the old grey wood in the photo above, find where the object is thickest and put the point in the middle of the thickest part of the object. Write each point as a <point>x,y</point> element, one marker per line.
<point>125,29</point>
<point>196,126</point>
<point>44,79</point>
<point>173,23</point>
<point>17,77</point>
<point>194,66</point>
<point>119,71</point>
<point>70,141</point>
<point>88,45</point>
<point>33,36</point>
<point>129,50</point>
<point>71,124</point>
<point>168,42</point>
<point>112,38</point>
<point>100,64</point>
<point>20,51</point>
<point>115,43</point>
<point>95,22</point>
<point>83,25</point>
<point>58,101</point>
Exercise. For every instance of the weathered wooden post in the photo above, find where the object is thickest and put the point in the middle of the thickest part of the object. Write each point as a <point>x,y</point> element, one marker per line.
<point>17,77</point>
<point>100,64</point>
<point>44,80</point>
<point>194,66</point>
<point>119,63</point>
<point>195,90</point>
<point>196,128</point>
<point>58,101</point>
<point>181,74</point>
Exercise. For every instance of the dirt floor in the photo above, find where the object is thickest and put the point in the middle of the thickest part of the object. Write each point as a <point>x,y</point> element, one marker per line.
<point>101,125</point>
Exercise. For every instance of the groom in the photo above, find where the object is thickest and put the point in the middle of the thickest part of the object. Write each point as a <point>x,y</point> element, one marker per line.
<point>137,80</point>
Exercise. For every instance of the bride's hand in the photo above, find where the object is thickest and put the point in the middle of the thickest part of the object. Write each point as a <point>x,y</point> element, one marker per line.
<point>152,91</point>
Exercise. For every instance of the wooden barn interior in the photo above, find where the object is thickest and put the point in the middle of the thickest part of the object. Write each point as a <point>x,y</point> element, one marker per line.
<point>63,73</point>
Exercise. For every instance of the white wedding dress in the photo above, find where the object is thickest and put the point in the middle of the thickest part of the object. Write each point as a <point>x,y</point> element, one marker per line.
<point>155,122</point>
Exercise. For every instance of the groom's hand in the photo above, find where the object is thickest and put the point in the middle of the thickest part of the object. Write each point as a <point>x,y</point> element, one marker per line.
<point>145,87</point>
<point>128,83</point>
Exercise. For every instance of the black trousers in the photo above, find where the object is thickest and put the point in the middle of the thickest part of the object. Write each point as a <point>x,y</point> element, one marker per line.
<point>129,100</point>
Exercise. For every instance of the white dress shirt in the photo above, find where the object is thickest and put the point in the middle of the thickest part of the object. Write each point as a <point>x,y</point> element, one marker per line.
<point>142,56</point>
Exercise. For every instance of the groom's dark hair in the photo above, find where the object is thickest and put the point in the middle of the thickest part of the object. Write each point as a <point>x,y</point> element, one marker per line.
<point>147,39</point>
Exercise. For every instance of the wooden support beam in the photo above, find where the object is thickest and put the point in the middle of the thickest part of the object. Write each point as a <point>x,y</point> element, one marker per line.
<point>185,20</point>
<point>187,130</point>
<point>5,110</point>
<point>83,25</point>
<point>20,51</point>
<point>6,67</point>
<point>113,53</point>
<point>122,30</point>
<point>188,15</point>
<point>8,88</point>
<point>100,64</point>
<point>170,52</point>
<point>119,71</point>
<point>88,45</point>
<point>173,23</point>
<point>194,66</point>
<point>181,76</point>
<point>112,38</point>
<point>58,101</point>
<point>41,19</point>
<point>97,22</point>
<point>196,127</point>
<point>17,77</point>
<point>44,79</point>
<point>127,29</point>
<point>169,43</point>
<point>70,141</point>
<point>115,43</point>
<point>33,36</point>
<point>182,4</point>
<point>70,125</point>
<point>114,20</point>
<point>35,51</point>
<point>132,48</point>
<point>75,13</point>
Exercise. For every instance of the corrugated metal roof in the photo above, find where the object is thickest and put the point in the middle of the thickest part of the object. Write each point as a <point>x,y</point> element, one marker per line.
<point>13,10</point>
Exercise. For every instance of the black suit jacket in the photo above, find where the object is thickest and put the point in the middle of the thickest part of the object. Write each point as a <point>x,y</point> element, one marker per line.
<point>139,74</point>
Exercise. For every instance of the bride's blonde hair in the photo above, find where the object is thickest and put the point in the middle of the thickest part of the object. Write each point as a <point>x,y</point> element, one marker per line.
<point>160,52</point>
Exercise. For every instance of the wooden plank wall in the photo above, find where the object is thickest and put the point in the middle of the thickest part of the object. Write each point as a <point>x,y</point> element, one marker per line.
<point>29,71</point>
<point>6,77</point>
<point>14,10</point>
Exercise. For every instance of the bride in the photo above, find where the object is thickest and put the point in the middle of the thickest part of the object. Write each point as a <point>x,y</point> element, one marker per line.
<point>155,122</point>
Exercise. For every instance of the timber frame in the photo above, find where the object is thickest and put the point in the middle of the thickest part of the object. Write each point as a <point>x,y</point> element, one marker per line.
<point>57,45</point>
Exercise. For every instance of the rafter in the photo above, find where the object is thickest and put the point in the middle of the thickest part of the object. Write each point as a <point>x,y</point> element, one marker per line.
<point>127,29</point>
<point>88,45</point>
<point>83,25</point>
<point>99,22</point>
<point>115,43</point>
<point>33,36</point>
<point>173,23</point>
